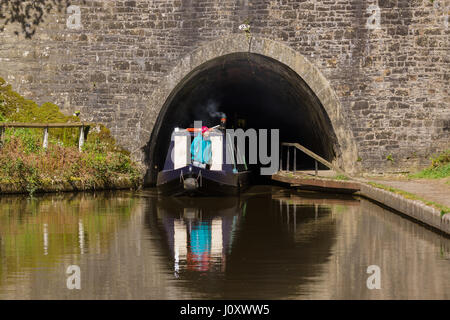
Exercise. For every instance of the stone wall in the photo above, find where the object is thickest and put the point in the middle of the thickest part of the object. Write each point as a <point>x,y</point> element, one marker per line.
<point>386,61</point>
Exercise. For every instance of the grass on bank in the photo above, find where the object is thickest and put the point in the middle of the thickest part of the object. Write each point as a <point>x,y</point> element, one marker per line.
<point>24,163</point>
<point>341,177</point>
<point>299,174</point>
<point>411,196</point>
<point>439,168</point>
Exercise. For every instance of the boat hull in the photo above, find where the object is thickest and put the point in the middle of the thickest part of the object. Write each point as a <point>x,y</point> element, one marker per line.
<point>194,181</point>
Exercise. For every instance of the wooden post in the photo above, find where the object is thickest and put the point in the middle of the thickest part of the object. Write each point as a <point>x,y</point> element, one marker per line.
<point>45,144</point>
<point>281,162</point>
<point>81,140</point>
<point>2,135</point>
<point>287,160</point>
<point>315,163</point>
<point>295,217</point>
<point>86,132</point>
<point>287,214</point>
<point>295,159</point>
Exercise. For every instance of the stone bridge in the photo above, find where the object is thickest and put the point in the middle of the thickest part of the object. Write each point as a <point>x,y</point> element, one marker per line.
<point>363,83</point>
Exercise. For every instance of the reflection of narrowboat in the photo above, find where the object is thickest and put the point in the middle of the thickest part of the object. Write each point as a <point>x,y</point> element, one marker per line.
<point>199,231</point>
<point>203,162</point>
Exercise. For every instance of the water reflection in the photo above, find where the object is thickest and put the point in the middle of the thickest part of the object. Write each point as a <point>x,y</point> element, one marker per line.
<point>36,234</point>
<point>249,247</point>
<point>268,244</point>
<point>197,231</point>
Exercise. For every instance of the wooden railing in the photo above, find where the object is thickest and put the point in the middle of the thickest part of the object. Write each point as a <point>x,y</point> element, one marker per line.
<point>84,129</point>
<point>316,158</point>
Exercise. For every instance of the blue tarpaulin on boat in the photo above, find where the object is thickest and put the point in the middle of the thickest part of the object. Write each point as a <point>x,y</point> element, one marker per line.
<point>201,149</point>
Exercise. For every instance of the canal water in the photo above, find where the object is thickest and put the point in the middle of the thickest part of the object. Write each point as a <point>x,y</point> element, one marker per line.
<point>269,243</point>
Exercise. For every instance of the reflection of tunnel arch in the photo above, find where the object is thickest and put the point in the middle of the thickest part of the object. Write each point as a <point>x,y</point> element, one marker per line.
<point>245,270</point>
<point>271,86</point>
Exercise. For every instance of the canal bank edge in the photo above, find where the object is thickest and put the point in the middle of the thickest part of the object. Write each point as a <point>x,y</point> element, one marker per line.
<point>415,209</point>
<point>117,183</point>
<point>412,208</point>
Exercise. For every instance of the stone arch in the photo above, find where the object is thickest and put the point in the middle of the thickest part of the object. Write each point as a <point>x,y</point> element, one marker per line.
<point>345,147</point>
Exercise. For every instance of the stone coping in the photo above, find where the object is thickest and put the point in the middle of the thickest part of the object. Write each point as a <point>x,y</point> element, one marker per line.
<point>413,208</point>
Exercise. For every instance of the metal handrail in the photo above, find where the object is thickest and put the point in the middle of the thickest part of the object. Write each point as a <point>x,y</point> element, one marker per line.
<point>308,152</point>
<point>46,126</point>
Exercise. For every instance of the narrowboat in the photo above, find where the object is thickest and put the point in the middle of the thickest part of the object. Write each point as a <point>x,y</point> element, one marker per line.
<point>202,161</point>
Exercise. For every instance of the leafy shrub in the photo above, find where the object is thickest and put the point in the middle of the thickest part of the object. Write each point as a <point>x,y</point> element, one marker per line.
<point>441,159</point>
<point>24,161</point>
<point>440,167</point>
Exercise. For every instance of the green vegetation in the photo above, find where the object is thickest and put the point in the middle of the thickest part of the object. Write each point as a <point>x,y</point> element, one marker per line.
<point>408,195</point>
<point>440,167</point>
<point>29,167</point>
<point>246,28</point>
<point>339,209</point>
<point>300,174</point>
<point>341,177</point>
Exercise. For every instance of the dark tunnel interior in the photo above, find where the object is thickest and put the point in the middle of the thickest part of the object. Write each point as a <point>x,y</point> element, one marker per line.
<point>254,91</point>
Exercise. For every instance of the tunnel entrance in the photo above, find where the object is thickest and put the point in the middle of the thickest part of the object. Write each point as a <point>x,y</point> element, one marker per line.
<point>254,91</point>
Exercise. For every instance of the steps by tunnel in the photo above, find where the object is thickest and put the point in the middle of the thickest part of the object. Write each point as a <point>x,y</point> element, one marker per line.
<point>254,91</point>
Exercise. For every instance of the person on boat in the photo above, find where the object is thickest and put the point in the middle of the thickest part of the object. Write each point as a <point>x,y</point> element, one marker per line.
<point>201,147</point>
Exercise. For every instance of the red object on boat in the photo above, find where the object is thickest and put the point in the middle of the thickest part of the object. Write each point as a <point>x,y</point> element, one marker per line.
<point>203,129</point>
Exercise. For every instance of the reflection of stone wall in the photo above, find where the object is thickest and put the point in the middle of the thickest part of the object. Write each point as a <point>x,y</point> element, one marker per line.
<point>123,253</point>
<point>131,268</point>
<point>408,271</point>
<point>127,254</point>
<point>334,246</point>
<point>385,60</point>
